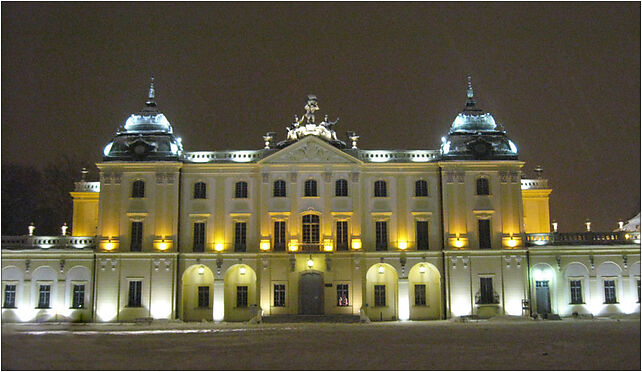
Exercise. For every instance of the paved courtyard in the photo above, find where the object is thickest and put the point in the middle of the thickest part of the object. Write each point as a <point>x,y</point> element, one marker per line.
<point>599,344</point>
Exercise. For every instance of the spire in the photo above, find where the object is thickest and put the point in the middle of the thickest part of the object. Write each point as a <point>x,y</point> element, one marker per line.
<point>470,88</point>
<point>152,93</point>
<point>470,102</point>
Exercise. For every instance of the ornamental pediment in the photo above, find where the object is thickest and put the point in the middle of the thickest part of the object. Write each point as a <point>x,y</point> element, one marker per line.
<point>310,150</point>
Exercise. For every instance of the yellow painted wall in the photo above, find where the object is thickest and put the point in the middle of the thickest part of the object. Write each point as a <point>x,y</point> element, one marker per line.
<point>536,210</point>
<point>85,217</point>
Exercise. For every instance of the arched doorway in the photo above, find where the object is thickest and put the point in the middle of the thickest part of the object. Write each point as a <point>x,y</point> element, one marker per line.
<point>381,292</point>
<point>240,293</point>
<point>543,276</point>
<point>311,293</point>
<point>197,293</point>
<point>424,291</point>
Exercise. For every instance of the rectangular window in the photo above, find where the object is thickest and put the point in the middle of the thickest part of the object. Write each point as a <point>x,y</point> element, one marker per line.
<point>422,235</point>
<point>199,236</point>
<point>487,295</point>
<point>420,295</point>
<point>240,190</point>
<point>279,295</point>
<point>310,188</point>
<point>241,296</point>
<point>310,226</point>
<point>421,188</point>
<point>341,188</point>
<point>380,189</point>
<point>279,235</point>
<point>10,295</point>
<point>240,232</point>
<point>203,296</point>
<point>380,295</point>
<point>576,292</point>
<point>484,234</point>
<point>78,299</point>
<point>343,298</point>
<point>609,292</point>
<point>381,235</point>
<point>137,237</point>
<point>135,294</point>
<point>44,296</point>
<point>638,290</point>
<point>342,235</point>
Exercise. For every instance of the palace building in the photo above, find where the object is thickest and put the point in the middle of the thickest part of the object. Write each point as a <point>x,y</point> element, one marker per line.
<point>313,225</point>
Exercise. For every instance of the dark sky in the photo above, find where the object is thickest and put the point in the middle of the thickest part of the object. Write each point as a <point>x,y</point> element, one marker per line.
<point>563,79</point>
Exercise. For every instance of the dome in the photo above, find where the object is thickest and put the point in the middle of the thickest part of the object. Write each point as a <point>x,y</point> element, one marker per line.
<point>146,135</point>
<point>474,134</point>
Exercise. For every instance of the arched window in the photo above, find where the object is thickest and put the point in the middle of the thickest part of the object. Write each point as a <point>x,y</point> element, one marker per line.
<point>310,188</point>
<point>341,188</point>
<point>421,188</point>
<point>380,189</point>
<point>240,190</point>
<point>200,190</point>
<point>482,186</point>
<point>138,189</point>
<point>279,188</point>
<point>310,228</point>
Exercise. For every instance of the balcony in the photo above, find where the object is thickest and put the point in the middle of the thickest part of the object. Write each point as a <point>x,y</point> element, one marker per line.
<point>48,242</point>
<point>583,238</point>
<point>486,298</point>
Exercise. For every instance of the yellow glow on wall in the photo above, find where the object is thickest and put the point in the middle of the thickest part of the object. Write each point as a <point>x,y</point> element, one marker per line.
<point>356,243</point>
<point>162,245</point>
<point>403,244</point>
<point>458,243</point>
<point>293,247</point>
<point>109,244</point>
<point>265,245</point>
<point>327,245</point>
<point>218,247</point>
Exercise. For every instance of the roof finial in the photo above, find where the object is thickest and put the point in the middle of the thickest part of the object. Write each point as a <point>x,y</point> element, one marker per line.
<point>470,88</point>
<point>152,94</point>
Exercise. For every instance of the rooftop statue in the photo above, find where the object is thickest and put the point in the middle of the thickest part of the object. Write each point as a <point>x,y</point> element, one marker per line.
<point>307,126</point>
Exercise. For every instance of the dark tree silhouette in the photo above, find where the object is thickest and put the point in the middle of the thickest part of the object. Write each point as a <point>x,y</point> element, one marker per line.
<point>40,196</point>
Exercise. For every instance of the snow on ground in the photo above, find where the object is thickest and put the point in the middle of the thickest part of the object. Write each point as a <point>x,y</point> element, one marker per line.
<point>501,343</point>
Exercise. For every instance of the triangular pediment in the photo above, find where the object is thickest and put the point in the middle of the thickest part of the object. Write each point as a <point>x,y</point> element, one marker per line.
<point>310,150</point>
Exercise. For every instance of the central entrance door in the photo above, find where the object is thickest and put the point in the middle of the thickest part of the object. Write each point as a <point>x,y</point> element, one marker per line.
<point>311,293</point>
<point>543,297</point>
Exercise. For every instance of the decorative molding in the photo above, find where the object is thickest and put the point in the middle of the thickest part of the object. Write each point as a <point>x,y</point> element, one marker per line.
<point>308,152</point>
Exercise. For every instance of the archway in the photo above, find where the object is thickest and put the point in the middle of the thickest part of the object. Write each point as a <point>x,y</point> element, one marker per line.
<point>311,293</point>
<point>240,292</point>
<point>197,293</point>
<point>381,292</point>
<point>424,291</point>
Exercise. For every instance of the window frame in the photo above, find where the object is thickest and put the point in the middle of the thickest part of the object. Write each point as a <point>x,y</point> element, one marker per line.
<point>421,189</point>
<point>136,241</point>
<point>379,295</point>
<point>311,229</point>
<point>381,245</point>
<point>203,298</point>
<point>422,247</point>
<point>482,186</point>
<point>479,233</point>
<point>138,188</point>
<point>74,293</point>
<point>342,235</point>
<point>14,293</point>
<point>486,291</point>
<point>380,189</point>
<point>280,294</point>
<point>343,295</point>
<point>241,190</point>
<point>420,296</point>
<point>574,291</point>
<point>280,237</point>
<point>611,288</point>
<point>199,237</point>
<point>242,294</point>
<point>200,190</point>
<point>135,295</point>
<point>240,237</point>
<point>279,189</point>
<point>41,303</point>
<point>310,188</point>
<point>341,191</point>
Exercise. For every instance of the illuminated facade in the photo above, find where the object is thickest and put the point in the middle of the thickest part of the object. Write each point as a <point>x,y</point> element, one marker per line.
<point>314,225</point>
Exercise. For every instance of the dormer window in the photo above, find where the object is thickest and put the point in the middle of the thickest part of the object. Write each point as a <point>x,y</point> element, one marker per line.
<point>240,190</point>
<point>279,189</point>
<point>138,189</point>
<point>482,186</point>
<point>200,190</point>
<point>380,189</point>
<point>310,188</point>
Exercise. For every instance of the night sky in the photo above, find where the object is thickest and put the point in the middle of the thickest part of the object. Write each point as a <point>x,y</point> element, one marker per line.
<point>563,79</point>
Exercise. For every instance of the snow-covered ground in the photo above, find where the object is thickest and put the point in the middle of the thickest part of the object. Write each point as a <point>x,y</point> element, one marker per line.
<point>501,343</point>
